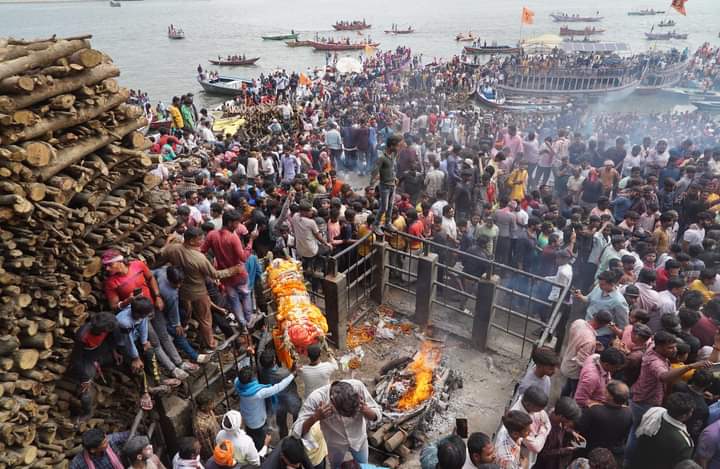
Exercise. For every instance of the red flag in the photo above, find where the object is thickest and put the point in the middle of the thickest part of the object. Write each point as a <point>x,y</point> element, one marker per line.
<point>679,6</point>
<point>528,16</point>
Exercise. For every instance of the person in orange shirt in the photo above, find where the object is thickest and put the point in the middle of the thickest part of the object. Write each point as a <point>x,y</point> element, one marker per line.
<point>335,184</point>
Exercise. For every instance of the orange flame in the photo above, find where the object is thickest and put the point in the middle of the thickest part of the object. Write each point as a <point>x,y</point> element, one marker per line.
<point>423,367</point>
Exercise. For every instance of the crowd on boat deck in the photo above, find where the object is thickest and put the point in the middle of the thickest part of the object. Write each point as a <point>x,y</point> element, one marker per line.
<point>704,69</point>
<point>627,216</point>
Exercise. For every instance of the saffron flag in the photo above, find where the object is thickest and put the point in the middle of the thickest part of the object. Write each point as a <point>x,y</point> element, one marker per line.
<point>679,6</point>
<point>369,50</point>
<point>304,80</point>
<point>528,16</point>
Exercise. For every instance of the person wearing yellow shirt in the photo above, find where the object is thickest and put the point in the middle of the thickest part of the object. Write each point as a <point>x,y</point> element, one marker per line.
<point>703,284</point>
<point>517,182</point>
<point>398,243</point>
<point>176,114</point>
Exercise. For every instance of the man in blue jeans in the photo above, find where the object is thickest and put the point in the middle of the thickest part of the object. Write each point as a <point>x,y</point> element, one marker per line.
<point>384,175</point>
<point>169,280</point>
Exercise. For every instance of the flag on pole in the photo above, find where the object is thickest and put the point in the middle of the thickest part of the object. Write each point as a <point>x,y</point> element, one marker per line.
<point>304,80</point>
<point>528,16</point>
<point>679,6</point>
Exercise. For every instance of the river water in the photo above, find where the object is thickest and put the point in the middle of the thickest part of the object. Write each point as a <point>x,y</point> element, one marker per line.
<point>135,35</point>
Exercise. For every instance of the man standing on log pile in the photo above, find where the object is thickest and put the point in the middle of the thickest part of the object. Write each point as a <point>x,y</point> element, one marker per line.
<point>193,292</point>
<point>228,251</point>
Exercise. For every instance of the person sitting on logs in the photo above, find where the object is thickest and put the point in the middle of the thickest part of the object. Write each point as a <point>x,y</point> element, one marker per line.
<point>95,348</point>
<point>100,450</point>
<point>127,280</point>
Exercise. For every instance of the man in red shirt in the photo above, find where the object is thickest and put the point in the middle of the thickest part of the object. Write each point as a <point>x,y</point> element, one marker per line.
<point>669,270</point>
<point>228,250</point>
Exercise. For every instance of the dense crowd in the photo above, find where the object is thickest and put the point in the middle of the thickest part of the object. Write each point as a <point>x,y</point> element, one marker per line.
<point>629,225</point>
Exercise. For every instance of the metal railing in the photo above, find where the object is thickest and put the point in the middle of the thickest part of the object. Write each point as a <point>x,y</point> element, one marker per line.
<point>356,262</point>
<point>521,297</point>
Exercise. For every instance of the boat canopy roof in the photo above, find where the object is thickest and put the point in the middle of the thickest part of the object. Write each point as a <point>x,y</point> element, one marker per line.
<point>594,47</point>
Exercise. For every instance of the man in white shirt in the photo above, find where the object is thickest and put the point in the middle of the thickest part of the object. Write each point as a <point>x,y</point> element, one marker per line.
<point>317,374</point>
<point>253,166</point>
<point>342,408</point>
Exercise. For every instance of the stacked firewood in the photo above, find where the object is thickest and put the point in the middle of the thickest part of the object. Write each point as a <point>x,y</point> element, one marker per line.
<point>74,180</point>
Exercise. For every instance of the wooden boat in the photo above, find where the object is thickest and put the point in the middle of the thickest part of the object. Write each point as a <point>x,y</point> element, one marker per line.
<point>615,82</point>
<point>157,125</point>
<point>565,18</point>
<point>176,33</point>
<point>114,4</point>
<point>707,106</point>
<point>297,43</point>
<point>409,30</point>
<point>565,31</point>
<point>250,61</point>
<point>487,50</point>
<point>585,40</point>
<point>224,85</point>
<point>463,38</point>
<point>696,94</point>
<point>664,36</point>
<point>657,78</point>
<point>351,26</point>
<point>281,37</point>
<point>650,12</point>
<point>493,103</point>
<point>501,103</point>
<point>666,24</point>
<point>337,46</point>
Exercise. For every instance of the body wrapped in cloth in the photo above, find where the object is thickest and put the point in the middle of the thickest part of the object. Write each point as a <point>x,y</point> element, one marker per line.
<point>299,322</point>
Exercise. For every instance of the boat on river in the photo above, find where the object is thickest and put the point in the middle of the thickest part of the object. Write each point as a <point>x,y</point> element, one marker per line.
<point>338,46</point>
<point>696,94</point>
<point>488,50</point>
<point>351,25</point>
<point>665,36</point>
<point>409,30</point>
<point>565,31</point>
<point>565,18</point>
<point>224,85</point>
<point>282,37</point>
<point>659,77</point>
<point>175,33</point>
<point>614,79</point>
<point>462,37</point>
<point>585,40</point>
<point>646,12</point>
<point>114,4</point>
<point>707,106</point>
<point>297,43</point>
<point>666,24</point>
<point>236,62</point>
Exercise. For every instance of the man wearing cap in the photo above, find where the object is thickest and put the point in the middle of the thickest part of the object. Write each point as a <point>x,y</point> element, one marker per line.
<point>580,345</point>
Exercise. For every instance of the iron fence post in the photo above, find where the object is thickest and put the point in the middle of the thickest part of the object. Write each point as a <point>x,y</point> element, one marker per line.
<point>336,311</point>
<point>377,286</point>
<point>483,314</point>
<point>425,287</point>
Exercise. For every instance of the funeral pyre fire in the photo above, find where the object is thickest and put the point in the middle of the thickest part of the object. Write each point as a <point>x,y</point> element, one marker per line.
<point>411,382</point>
<point>411,391</point>
<point>418,378</point>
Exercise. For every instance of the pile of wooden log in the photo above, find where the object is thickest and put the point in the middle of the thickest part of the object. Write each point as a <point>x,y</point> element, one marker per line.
<point>74,180</point>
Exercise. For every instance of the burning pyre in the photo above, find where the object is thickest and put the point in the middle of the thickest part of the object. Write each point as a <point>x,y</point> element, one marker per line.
<point>412,385</point>
<point>411,391</point>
